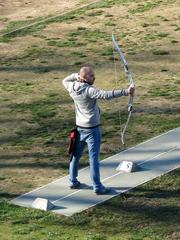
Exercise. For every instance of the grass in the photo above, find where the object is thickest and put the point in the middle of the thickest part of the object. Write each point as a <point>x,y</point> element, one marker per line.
<point>177,29</point>
<point>155,36</point>
<point>71,42</point>
<point>159,91</point>
<point>160,52</point>
<point>21,23</point>
<point>40,23</point>
<point>89,35</point>
<point>145,6</point>
<point>4,39</point>
<point>174,41</point>
<point>135,215</point>
<point>33,52</point>
<point>95,13</point>
<point>37,115</point>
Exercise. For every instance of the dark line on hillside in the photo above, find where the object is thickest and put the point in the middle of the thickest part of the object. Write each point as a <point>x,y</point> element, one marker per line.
<point>47,19</point>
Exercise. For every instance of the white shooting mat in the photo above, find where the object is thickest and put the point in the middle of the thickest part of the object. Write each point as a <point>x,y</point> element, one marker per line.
<point>155,157</point>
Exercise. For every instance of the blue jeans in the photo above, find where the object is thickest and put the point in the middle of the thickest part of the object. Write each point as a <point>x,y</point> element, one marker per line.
<point>91,137</point>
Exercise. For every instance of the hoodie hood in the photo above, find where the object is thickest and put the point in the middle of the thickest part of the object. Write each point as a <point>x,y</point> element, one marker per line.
<point>79,87</point>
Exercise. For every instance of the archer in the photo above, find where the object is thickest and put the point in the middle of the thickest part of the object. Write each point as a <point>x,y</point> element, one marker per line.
<point>85,95</point>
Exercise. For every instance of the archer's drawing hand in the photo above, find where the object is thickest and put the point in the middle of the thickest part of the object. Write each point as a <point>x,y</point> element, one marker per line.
<point>80,78</point>
<point>131,90</point>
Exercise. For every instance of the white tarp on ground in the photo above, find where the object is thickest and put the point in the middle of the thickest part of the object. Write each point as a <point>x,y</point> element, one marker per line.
<point>155,157</point>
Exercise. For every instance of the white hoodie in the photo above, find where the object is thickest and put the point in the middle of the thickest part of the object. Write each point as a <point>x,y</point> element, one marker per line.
<point>85,99</point>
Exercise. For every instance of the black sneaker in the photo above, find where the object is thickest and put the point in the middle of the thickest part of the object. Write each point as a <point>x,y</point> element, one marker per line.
<point>75,185</point>
<point>102,191</point>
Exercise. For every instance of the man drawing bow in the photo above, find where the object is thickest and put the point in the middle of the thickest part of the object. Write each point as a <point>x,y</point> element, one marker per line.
<point>85,96</point>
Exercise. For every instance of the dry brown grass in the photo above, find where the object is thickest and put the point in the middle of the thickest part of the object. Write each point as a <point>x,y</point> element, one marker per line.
<point>20,10</point>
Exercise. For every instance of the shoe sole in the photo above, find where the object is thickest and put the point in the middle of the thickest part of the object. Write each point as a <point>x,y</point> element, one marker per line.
<point>102,193</point>
<point>75,187</point>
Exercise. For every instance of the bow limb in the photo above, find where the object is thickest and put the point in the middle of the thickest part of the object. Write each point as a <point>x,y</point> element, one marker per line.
<point>131,81</point>
<point>126,68</point>
<point>124,129</point>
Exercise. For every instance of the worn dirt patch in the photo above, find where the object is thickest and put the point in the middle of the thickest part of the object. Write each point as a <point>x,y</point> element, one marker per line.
<point>11,10</point>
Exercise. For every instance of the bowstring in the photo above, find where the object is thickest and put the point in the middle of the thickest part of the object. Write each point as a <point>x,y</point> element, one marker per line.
<point>116,83</point>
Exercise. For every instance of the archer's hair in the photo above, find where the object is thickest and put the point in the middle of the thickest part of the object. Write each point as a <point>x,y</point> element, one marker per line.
<point>85,69</point>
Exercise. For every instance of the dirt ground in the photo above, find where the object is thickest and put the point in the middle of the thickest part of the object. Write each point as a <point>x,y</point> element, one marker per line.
<point>11,10</point>
<point>31,8</point>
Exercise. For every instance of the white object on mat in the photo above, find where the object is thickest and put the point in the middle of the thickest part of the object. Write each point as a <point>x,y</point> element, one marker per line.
<point>126,166</point>
<point>43,204</point>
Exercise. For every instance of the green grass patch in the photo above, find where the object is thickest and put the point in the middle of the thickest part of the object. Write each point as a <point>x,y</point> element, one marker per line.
<point>174,41</point>
<point>150,24</point>
<point>160,52</point>
<point>159,119</point>
<point>37,52</point>
<point>110,23</point>
<point>48,124</point>
<point>177,96</point>
<point>3,19</point>
<point>144,6</point>
<point>2,178</point>
<point>177,29</point>
<point>44,108</point>
<point>162,34</point>
<point>91,35</point>
<point>79,54</point>
<point>25,31</point>
<point>78,63</point>
<point>177,81</point>
<point>150,37</point>
<point>158,92</point>
<point>70,42</point>
<point>109,15</point>
<point>163,91</point>
<point>17,87</point>
<point>85,35</point>
<point>94,36</point>
<point>154,36</point>
<point>13,25</point>
<point>30,54</point>
<point>4,39</point>
<point>19,28</point>
<point>95,13</point>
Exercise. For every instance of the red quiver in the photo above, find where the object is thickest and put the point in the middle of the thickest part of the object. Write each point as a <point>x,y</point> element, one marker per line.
<point>72,142</point>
